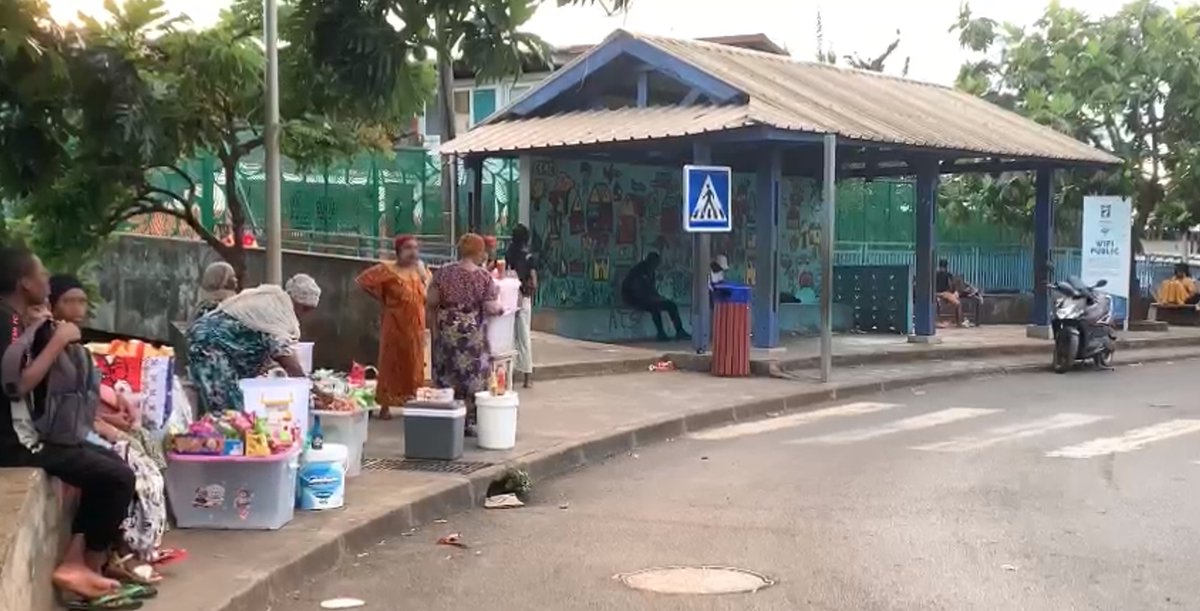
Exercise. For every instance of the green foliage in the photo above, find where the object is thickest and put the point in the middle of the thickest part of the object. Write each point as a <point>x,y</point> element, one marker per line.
<point>135,95</point>
<point>1126,83</point>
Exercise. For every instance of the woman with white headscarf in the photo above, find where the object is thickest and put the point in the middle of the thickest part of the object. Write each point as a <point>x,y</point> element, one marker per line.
<point>246,335</point>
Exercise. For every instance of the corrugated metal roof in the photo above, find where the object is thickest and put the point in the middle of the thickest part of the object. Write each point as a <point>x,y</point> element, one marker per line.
<point>810,97</point>
<point>584,127</point>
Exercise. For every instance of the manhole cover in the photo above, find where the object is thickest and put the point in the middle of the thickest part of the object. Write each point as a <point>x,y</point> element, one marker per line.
<point>457,467</point>
<point>695,580</point>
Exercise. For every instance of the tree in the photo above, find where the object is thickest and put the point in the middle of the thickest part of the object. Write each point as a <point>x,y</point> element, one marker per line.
<point>148,95</point>
<point>873,64</point>
<point>359,41</point>
<point>1126,83</point>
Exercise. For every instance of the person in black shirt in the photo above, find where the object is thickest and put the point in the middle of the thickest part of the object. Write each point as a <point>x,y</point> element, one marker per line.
<point>947,290</point>
<point>520,259</point>
<point>105,482</point>
<point>640,292</point>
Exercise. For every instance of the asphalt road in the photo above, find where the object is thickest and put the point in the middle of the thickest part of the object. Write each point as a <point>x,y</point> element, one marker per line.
<point>1030,492</point>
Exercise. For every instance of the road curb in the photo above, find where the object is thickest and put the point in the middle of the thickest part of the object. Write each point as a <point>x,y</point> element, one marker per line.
<point>772,367</point>
<point>456,496</point>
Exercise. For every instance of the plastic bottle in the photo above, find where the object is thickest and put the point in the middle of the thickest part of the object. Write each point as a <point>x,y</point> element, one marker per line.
<point>316,436</point>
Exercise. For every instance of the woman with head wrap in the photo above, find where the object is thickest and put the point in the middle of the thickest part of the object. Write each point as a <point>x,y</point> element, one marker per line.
<point>520,260</point>
<point>399,287</point>
<point>244,336</point>
<point>460,295</point>
<point>218,283</point>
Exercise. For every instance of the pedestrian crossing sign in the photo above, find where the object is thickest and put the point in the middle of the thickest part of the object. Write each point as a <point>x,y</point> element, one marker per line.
<point>706,199</point>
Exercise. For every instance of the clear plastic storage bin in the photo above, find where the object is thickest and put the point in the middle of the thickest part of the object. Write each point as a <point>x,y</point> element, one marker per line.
<point>348,429</point>
<point>232,492</point>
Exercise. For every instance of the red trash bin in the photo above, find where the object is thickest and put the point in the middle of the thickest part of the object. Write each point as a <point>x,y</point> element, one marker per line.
<point>731,330</point>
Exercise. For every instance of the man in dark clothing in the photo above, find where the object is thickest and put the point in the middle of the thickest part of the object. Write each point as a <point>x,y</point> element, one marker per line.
<point>946,290</point>
<point>105,483</point>
<point>640,292</point>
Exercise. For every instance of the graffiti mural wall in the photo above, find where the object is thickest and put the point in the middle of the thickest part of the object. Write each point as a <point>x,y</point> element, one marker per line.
<point>593,221</point>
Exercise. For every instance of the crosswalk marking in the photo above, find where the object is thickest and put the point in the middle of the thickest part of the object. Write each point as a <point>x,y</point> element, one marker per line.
<point>1012,432</point>
<point>784,422</point>
<point>932,419</point>
<point>1130,441</point>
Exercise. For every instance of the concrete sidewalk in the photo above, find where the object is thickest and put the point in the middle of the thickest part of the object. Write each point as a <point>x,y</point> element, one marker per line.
<point>564,425</point>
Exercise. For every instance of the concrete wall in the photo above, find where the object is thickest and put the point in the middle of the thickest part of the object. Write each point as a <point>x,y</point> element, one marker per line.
<point>149,283</point>
<point>31,540</point>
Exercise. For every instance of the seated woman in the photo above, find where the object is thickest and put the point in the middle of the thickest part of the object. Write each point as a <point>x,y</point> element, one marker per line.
<point>1179,289</point>
<point>218,284</point>
<point>118,424</point>
<point>461,294</point>
<point>245,336</point>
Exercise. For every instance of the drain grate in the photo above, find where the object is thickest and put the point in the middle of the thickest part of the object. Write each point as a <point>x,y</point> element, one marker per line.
<point>455,467</point>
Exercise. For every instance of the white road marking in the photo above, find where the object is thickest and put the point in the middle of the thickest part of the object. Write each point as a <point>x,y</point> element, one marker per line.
<point>945,416</point>
<point>1012,432</point>
<point>1130,441</point>
<point>785,422</point>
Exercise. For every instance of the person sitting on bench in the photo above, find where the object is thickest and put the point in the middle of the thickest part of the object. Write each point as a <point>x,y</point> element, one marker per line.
<point>1179,289</point>
<point>640,292</point>
<point>947,291</point>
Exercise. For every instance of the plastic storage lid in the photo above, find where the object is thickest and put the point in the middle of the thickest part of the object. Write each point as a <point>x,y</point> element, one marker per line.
<point>487,399</point>
<point>330,452</point>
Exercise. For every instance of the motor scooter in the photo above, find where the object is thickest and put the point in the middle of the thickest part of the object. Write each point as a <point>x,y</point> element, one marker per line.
<point>1082,325</point>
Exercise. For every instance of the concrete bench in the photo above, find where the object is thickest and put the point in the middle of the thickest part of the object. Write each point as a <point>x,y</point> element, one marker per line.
<point>1173,314</point>
<point>37,509</point>
<point>615,324</point>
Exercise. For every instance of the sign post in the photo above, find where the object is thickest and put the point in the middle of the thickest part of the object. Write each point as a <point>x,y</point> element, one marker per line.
<point>707,199</point>
<point>1106,248</point>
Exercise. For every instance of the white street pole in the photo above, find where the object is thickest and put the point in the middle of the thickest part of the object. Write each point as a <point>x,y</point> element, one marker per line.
<point>829,208</point>
<point>273,178</point>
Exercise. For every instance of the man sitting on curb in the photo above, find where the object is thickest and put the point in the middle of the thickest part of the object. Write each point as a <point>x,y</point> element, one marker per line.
<point>105,483</point>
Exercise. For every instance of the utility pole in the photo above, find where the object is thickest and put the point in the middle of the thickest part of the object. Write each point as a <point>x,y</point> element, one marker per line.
<point>274,210</point>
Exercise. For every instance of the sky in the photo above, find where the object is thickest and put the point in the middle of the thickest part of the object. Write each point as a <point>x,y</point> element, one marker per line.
<point>864,27</point>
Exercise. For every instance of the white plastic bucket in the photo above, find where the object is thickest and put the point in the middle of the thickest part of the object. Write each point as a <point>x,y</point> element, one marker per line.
<point>348,429</point>
<point>304,354</point>
<point>262,396</point>
<point>321,483</point>
<point>496,420</point>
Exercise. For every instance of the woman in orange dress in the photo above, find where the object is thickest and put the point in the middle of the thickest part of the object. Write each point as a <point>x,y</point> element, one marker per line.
<point>400,288</point>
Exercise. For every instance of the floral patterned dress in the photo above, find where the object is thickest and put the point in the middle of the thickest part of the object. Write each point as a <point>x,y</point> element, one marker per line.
<point>460,352</point>
<point>221,351</point>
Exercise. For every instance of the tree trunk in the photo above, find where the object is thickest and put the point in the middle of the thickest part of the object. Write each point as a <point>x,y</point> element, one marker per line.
<point>449,167</point>
<point>236,255</point>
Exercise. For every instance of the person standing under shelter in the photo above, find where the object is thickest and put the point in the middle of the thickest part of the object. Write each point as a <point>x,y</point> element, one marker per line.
<point>521,260</point>
<point>640,292</point>
<point>947,290</point>
<point>400,288</point>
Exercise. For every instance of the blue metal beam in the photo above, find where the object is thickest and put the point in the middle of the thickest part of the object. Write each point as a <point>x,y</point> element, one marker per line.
<point>926,302</point>
<point>573,77</point>
<point>691,97</point>
<point>1043,242</point>
<point>765,310</point>
<point>643,88</point>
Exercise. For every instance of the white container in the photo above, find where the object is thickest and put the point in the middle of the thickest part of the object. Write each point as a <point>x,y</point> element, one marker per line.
<point>348,429</point>
<point>322,481</point>
<point>263,397</point>
<point>501,330</point>
<point>496,423</point>
<point>232,492</point>
<point>304,354</point>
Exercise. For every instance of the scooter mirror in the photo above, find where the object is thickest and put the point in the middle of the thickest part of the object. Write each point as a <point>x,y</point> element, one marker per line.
<point>1102,284</point>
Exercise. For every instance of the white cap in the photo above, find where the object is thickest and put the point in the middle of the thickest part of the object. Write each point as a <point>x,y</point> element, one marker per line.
<point>722,262</point>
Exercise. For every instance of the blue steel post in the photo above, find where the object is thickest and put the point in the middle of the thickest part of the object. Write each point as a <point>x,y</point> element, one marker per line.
<point>1043,242</point>
<point>701,257</point>
<point>926,305</point>
<point>765,311</point>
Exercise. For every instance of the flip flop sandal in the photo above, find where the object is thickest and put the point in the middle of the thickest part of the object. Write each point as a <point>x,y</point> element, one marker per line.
<point>137,591</point>
<point>115,601</point>
<point>169,556</point>
<point>120,568</point>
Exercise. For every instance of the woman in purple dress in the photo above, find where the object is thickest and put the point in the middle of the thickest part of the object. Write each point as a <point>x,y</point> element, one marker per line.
<point>460,296</point>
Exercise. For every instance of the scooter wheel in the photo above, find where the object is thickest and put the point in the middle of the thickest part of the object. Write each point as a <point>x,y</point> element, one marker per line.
<point>1104,360</point>
<point>1065,349</point>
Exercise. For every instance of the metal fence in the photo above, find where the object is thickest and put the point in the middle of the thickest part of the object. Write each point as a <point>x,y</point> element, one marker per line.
<point>994,269</point>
